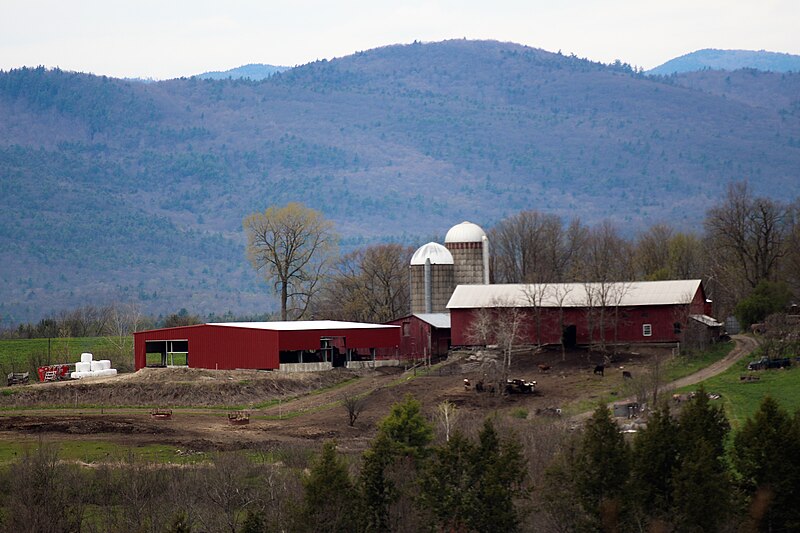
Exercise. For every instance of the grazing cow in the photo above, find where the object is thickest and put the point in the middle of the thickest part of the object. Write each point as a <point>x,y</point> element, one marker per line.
<point>599,369</point>
<point>543,367</point>
<point>479,386</point>
<point>466,384</point>
<point>626,375</point>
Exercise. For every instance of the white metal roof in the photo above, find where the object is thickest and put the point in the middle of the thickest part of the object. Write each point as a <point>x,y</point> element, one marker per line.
<point>438,254</point>
<point>631,293</point>
<point>465,232</point>
<point>301,325</point>
<point>707,320</point>
<point>437,320</point>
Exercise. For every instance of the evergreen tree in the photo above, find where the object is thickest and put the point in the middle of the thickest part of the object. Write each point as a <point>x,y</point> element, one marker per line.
<point>475,486</point>
<point>377,490</point>
<point>328,496</point>
<point>602,469</point>
<point>654,459</point>
<point>447,482</point>
<point>701,490</point>
<point>501,474</point>
<point>402,441</point>
<point>769,473</point>
<point>406,428</point>
<point>701,474</point>
<point>701,420</point>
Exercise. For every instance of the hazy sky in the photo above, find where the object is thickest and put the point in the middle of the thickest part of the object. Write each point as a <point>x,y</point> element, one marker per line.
<point>171,38</point>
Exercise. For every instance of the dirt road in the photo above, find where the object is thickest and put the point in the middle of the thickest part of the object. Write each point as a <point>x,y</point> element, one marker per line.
<point>744,346</point>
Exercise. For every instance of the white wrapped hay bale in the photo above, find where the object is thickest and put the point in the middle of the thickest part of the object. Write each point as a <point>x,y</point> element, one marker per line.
<point>96,365</point>
<point>86,357</point>
<point>105,364</point>
<point>78,375</point>
<point>83,367</point>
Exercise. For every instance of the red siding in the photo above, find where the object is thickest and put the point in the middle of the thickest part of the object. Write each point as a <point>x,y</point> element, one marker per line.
<point>384,337</point>
<point>629,324</point>
<point>422,339</point>
<point>217,347</point>
<point>227,347</point>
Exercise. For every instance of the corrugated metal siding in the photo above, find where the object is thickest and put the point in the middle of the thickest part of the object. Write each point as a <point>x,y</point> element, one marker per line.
<point>384,337</point>
<point>217,347</point>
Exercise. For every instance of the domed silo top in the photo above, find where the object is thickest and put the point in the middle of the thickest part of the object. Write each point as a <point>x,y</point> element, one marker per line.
<point>465,232</point>
<point>438,254</point>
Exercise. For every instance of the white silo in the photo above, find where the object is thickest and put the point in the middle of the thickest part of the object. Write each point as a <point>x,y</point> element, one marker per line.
<point>469,247</point>
<point>432,281</point>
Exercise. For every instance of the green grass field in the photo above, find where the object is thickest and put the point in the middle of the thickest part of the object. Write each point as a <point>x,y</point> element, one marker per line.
<point>741,399</point>
<point>21,355</point>
<point>94,451</point>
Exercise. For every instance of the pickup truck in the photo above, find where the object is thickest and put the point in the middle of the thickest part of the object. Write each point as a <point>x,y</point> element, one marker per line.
<point>765,363</point>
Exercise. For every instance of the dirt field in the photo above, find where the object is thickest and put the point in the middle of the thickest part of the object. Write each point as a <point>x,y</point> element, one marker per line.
<point>296,409</point>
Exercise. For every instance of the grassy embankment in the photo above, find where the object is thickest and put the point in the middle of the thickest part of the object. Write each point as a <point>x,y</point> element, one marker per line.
<point>741,399</point>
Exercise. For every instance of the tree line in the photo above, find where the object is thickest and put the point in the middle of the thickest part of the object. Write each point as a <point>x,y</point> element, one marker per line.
<point>683,472</point>
<point>748,254</point>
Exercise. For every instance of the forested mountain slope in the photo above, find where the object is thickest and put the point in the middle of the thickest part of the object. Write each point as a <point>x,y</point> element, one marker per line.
<point>112,189</point>
<point>713,59</point>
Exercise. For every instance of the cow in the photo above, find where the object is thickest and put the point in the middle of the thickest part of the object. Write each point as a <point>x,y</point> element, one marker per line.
<point>600,369</point>
<point>626,375</point>
<point>466,384</point>
<point>543,367</point>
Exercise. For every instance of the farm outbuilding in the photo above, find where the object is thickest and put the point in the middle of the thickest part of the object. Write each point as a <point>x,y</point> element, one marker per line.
<point>423,335</point>
<point>300,345</point>
<point>584,313</point>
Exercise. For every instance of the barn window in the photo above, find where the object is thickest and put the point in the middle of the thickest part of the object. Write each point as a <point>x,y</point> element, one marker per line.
<point>406,329</point>
<point>676,328</point>
<point>647,330</point>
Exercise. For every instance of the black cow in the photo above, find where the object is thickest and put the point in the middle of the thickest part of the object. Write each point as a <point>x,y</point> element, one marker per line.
<point>599,369</point>
<point>626,375</point>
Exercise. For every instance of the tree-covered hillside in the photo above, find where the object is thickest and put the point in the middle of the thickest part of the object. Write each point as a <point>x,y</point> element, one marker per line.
<point>713,59</point>
<point>111,189</point>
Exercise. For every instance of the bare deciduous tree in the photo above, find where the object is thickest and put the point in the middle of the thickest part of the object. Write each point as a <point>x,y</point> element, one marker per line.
<point>747,239</point>
<point>447,414</point>
<point>533,247</point>
<point>290,246</point>
<point>370,285</point>
<point>354,404</point>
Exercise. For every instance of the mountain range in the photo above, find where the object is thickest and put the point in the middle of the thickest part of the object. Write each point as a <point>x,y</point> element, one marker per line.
<point>114,190</point>
<point>713,59</point>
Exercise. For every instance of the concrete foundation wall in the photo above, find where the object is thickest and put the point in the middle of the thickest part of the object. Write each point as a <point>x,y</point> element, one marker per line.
<point>305,367</point>
<point>373,364</point>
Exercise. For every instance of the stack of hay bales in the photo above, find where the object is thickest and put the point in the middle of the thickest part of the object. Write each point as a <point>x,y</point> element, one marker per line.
<point>87,368</point>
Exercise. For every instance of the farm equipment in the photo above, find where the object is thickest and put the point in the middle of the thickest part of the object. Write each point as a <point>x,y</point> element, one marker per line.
<point>161,414</point>
<point>519,386</point>
<point>18,378</point>
<point>239,418</point>
<point>53,372</point>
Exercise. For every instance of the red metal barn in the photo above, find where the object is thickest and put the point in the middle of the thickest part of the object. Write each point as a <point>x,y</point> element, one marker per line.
<point>583,313</point>
<point>262,345</point>
<point>423,335</point>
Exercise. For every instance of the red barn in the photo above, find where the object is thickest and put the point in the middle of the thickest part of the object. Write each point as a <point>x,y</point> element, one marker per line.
<point>424,334</point>
<point>263,345</point>
<point>583,313</point>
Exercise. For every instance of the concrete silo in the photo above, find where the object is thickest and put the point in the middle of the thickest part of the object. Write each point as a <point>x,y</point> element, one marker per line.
<point>432,281</point>
<point>469,247</point>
